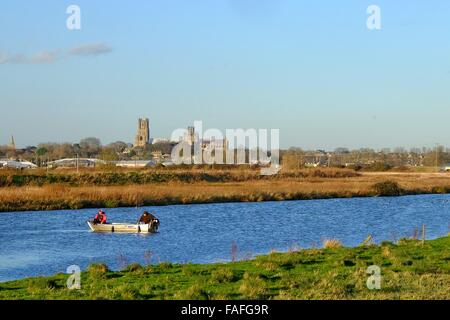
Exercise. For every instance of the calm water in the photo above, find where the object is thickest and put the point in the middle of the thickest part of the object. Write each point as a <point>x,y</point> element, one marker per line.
<point>44,243</point>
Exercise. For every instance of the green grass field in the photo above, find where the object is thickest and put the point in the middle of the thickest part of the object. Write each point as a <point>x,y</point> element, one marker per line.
<point>410,269</point>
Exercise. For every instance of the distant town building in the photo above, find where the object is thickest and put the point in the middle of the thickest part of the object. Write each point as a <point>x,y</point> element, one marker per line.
<point>143,133</point>
<point>315,159</point>
<point>190,136</point>
<point>136,163</point>
<point>17,164</point>
<point>75,162</point>
<point>157,155</point>
<point>160,140</point>
<point>168,163</point>
<point>215,144</point>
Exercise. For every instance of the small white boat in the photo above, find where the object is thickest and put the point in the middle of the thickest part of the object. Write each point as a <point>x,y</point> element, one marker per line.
<point>124,227</point>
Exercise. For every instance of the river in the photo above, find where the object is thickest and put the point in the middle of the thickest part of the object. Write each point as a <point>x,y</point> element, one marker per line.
<point>47,242</point>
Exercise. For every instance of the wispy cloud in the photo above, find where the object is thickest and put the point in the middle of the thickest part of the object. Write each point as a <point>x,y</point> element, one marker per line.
<point>44,57</point>
<point>3,57</point>
<point>52,56</point>
<point>15,58</point>
<point>90,49</point>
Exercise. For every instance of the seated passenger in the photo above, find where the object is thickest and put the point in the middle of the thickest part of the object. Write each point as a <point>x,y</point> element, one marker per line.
<point>147,218</point>
<point>100,218</point>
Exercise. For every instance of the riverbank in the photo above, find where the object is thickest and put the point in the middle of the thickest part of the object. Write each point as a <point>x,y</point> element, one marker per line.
<point>410,269</point>
<point>25,194</point>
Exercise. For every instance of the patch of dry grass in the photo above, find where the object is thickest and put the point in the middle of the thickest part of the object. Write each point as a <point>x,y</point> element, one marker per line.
<point>332,244</point>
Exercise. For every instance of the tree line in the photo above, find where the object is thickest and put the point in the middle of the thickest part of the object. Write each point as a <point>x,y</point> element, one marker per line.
<point>90,147</point>
<point>294,157</point>
<point>366,157</point>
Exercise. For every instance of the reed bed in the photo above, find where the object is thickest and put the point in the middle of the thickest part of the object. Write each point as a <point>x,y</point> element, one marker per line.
<point>10,178</point>
<point>64,196</point>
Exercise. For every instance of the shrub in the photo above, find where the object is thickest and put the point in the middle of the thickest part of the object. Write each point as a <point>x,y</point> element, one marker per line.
<point>407,241</point>
<point>194,292</point>
<point>42,284</point>
<point>402,169</point>
<point>440,190</point>
<point>223,275</point>
<point>379,167</point>
<point>126,292</point>
<point>98,270</point>
<point>387,189</point>
<point>349,263</point>
<point>134,267</point>
<point>75,204</point>
<point>269,266</point>
<point>253,287</point>
<point>332,244</point>
<point>111,203</point>
<point>165,265</point>
<point>386,244</point>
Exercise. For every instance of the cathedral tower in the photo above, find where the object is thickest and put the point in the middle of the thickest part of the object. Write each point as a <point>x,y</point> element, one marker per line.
<point>143,133</point>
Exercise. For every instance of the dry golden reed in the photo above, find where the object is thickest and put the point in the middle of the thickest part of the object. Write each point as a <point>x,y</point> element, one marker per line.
<point>65,196</point>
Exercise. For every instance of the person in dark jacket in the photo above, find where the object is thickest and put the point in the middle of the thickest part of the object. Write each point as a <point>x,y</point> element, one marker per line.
<point>147,218</point>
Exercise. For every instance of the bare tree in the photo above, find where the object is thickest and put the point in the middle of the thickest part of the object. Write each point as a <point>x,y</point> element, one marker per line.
<point>90,146</point>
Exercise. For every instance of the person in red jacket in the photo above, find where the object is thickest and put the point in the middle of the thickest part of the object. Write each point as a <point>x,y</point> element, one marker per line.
<point>100,218</point>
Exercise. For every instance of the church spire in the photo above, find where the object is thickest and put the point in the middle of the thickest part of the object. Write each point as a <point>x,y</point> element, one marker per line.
<point>12,144</point>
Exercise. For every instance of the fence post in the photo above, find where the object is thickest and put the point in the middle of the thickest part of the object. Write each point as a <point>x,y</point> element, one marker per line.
<point>423,234</point>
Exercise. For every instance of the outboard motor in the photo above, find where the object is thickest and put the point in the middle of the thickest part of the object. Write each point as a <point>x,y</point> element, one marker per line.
<point>154,225</point>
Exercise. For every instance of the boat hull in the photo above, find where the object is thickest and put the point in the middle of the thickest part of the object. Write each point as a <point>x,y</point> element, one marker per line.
<point>123,227</point>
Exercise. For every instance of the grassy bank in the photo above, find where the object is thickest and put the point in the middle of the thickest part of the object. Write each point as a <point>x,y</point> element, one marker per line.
<point>410,269</point>
<point>301,185</point>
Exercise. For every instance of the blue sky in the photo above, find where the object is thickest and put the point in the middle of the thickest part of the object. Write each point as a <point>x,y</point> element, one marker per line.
<point>310,68</point>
